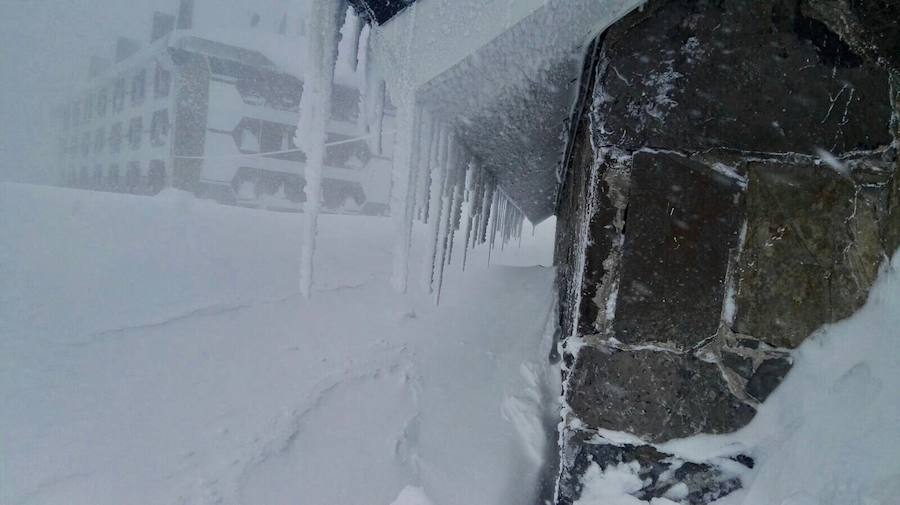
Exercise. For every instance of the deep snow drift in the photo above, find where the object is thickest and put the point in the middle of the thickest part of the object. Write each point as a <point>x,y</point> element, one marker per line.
<point>155,350</point>
<point>830,433</point>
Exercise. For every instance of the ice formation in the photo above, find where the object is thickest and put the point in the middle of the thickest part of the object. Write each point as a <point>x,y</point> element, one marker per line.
<point>324,22</point>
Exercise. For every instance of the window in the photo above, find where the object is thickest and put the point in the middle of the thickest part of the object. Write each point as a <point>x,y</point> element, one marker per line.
<point>85,143</point>
<point>247,136</point>
<point>119,95</point>
<point>99,140</point>
<point>272,137</point>
<point>67,117</point>
<point>159,127</point>
<point>76,113</point>
<point>112,177</point>
<point>73,145</point>
<point>156,176</point>
<point>161,82</point>
<point>135,130</point>
<point>115,137</point>
<point>100,104</point>
<point>138,83</point>
<point>133,176</point>
<point>88,103</point>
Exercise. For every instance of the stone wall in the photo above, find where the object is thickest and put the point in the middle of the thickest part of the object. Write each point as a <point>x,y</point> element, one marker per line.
<point>731,186</point>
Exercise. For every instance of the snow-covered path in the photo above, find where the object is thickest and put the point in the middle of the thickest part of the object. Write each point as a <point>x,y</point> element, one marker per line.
<point>156,351</point>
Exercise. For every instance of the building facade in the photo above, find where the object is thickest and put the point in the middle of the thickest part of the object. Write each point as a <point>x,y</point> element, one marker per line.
<point>207,109</point>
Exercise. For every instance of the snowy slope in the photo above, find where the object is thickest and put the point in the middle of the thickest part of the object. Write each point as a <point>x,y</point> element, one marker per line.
<point>155,351</point>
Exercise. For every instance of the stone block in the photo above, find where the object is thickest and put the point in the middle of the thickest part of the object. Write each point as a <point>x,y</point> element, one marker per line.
<point>682,226</point>
<point>811,253</point>
<point>655,395</point>
<point>754,76</point>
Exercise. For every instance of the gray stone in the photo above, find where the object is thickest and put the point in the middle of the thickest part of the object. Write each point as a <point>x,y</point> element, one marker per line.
<point>811,252</point>
<point>742,365</point>
<point>755,76</point>
<point>682,226</point>
<point>767,377</point>
<point>653,394</point>
<point>870,27</point>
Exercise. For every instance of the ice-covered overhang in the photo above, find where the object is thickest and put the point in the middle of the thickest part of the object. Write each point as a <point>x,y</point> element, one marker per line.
<point>503,73</point>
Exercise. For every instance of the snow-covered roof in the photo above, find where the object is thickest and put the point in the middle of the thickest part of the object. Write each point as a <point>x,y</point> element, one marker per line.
<point>504,73</point>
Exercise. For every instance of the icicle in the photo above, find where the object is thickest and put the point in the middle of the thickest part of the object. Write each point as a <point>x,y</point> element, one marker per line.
<point>325,19</point>
<point>486,203</point>
<point>494,217</point>
<point>438,173</point>
<point>450,170</point>
<point>478,206</point>
<point>416,161</point>
<point>355,25</point>
<point>423,181</point>
<point>459,184</point>
<point>471,183</point>
<point>400,190</point>
<point>373,97</point>
<point>433,159</point>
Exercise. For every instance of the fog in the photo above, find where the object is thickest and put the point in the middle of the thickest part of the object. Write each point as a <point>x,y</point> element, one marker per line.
<point>179,324</point>
<point>45,45</point>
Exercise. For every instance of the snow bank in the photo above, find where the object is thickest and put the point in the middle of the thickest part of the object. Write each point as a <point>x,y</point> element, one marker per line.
<point>156,350</point>
<point>412,496</point>
<point>830,433</point>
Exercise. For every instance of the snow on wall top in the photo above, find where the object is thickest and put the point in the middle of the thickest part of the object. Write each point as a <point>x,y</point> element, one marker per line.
<point>503,73</point>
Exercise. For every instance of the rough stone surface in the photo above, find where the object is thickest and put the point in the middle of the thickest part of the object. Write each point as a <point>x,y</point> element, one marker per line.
<point>653,394</point>
<point>811,253</point>
<point>870,27</point>
<point>753,76</point>
<point>705,481</point>
<point>682,227</point>
<point>733,190</point>
<point>767,377</point>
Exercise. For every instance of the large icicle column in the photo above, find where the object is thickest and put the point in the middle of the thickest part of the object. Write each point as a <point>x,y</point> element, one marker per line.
<point>324,21</point>
<point>728,192</point>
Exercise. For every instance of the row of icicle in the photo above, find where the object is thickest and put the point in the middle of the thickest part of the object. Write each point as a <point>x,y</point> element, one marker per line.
<point>434,179</point>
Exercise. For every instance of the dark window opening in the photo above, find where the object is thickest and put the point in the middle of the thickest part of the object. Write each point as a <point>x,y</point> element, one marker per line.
<point>88,104</point>
<point>99,140</point>
<point>161,82</point>
<point>115,137</point>
<point>135,130</point>
<point>119,95</point>
<point>138,84</point>
<point>85,143</point>
<point>101,102</point>
<point>133,177</point>
<point>159,127</point>
<point>156,176</point>
<point>112,177</point>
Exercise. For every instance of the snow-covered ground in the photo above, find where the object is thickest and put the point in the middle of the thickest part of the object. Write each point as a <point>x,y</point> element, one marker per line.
<point>155,351</point>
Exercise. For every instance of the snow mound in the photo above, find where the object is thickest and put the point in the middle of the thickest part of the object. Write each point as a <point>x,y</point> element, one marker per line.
<point>412,496</point>
<point>830,433</point>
